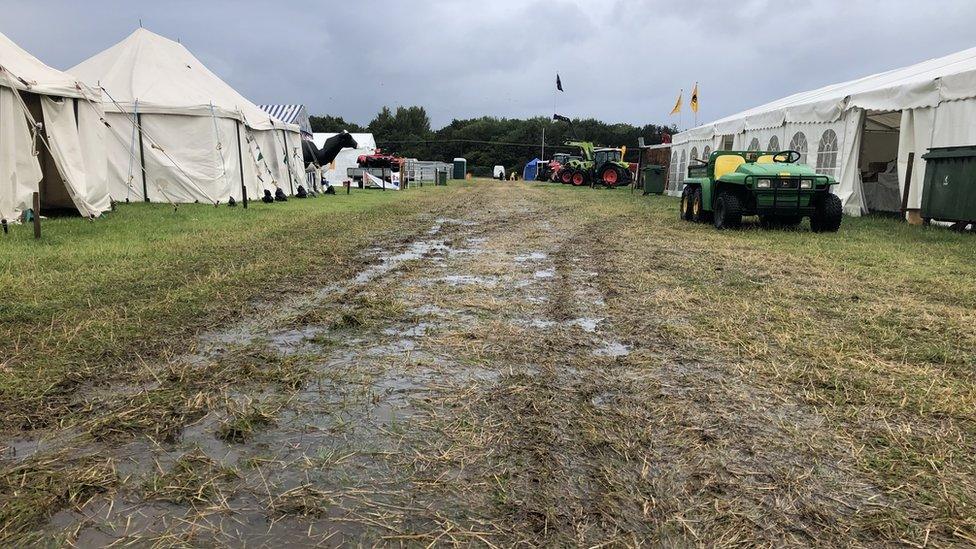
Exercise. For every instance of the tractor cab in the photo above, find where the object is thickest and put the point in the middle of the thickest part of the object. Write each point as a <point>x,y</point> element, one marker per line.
<point>601,156</point>
<point>770,184</point>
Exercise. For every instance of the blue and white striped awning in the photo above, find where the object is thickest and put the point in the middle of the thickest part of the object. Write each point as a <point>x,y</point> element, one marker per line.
<point>292,114</point>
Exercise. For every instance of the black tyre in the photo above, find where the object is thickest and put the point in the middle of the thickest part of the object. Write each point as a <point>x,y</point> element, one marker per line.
<point>828,214</point>
<point>684,211</point>
<point>728,211</point>
<point>566,176</point>
<point>697,206</point>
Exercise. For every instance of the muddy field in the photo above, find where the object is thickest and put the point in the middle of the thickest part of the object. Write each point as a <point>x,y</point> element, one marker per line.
<point>540,366</point>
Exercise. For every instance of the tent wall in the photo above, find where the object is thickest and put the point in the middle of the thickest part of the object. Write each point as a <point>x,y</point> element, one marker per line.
<point>182,161</point>
<point>20,171</point>
<point>68,168</point>
<point>64,138</point>
<point>94,149</point>
<point>122,149</point>
<point>952,123</point>
<point>270,143</point>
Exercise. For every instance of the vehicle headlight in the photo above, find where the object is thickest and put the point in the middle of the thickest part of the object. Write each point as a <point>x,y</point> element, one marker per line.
<point>806,183</point>
<point>764,184</point>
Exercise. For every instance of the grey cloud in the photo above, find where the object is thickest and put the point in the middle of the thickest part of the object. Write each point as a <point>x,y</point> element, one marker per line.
<point>620,60</point>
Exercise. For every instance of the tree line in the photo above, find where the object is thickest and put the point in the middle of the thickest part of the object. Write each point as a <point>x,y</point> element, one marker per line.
<point>489,141</point>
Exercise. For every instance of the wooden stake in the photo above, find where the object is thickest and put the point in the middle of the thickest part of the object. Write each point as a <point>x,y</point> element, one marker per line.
<point>37,215</point>
<point>908,183</point>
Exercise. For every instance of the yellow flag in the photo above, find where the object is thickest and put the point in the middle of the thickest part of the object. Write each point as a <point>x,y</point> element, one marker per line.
<point>694,98</point>
<point>677,106</point>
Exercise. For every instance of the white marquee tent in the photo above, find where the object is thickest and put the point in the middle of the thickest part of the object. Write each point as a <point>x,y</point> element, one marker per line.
<point>181,134</point>
<point>861,131</point>
<point>347,158</point>
<point>65,163</point>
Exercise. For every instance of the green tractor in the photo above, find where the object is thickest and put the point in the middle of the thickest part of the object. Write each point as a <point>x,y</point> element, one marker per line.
<point>772,185</point>
<point>597,165</point>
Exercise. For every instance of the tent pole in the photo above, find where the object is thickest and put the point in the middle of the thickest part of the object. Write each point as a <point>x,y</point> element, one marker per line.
<point>142,158</point>
<point>291,182</point>
<point>240,160</point>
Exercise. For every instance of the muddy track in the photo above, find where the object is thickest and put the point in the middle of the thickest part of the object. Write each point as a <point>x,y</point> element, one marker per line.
<point>483,381</point>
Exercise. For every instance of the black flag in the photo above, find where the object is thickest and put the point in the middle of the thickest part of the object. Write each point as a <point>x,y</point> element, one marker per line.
<point>562,118</point>
<point>559,83</point>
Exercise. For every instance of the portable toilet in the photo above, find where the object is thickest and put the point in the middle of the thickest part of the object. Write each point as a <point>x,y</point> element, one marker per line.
<point>460,168</point>
<point>531,170</point>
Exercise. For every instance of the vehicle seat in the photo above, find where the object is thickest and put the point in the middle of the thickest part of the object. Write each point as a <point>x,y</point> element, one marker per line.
<point>766,159</point>
<point>727,164</point>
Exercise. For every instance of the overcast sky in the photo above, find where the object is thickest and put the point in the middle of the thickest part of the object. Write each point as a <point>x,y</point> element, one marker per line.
<point>620,60</point>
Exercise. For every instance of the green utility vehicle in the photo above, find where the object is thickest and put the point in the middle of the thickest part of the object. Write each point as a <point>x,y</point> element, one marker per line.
<point>772,185</point>
<point>598,166</point>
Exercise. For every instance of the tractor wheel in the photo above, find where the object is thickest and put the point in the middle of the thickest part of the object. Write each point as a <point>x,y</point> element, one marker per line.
<point>728,211</point>
<point>579,178</point>
<point>697,206</point>
<point>566,176</point>
<point>828,214</point>
<point>684,213</point>
<point>610,176</point>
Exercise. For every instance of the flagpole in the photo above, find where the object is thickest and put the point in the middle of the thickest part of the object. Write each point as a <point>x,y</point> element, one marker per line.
<point>543,143</point>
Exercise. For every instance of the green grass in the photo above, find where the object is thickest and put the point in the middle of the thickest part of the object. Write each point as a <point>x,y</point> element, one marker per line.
<point>91,297</point>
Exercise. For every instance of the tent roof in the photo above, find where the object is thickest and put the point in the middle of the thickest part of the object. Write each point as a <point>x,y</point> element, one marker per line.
<point>364,140</point>
<point>292,114</point>
<point>164,77</point>
<point>25,72</point>
<point>925,84</point>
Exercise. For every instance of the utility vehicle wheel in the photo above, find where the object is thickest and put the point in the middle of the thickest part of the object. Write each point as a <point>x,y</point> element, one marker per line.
<point>610,176</point>
<point>728,211</point>
<point>697,206</point>
<point>566,176</point>
<point>685,208</point>
<point>579,178</point>
<point>828,214</point>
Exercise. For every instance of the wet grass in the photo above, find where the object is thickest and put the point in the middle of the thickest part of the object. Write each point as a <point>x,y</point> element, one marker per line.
<point>91,298</point>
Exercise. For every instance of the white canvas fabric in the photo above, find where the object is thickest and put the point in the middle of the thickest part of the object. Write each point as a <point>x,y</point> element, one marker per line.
<point>61,128</point>
<point>191,122</point>
<point>72,139</point>
<point>19,170</point>
<point>167,79</point>
<point>935,101</point>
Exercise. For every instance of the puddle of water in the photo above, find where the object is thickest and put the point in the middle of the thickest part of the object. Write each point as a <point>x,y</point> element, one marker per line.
<point>534,256</point>
<point>417,330</point>
<point>416,250</point>
<point>612,349</point>
<point>586,324</point>
<point>459,280</point>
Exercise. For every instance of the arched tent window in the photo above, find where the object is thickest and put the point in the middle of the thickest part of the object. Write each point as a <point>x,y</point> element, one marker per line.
<point>706,153</point>
<point>773,144</point>
<point>827,154</point>
<point>673,177</point>
<point>683,167</point>
<point>754,144</point>
<point>799,144</point>
<point>694,153</point>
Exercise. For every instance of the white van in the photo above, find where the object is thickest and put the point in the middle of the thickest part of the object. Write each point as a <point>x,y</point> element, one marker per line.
<point>499,173</point>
